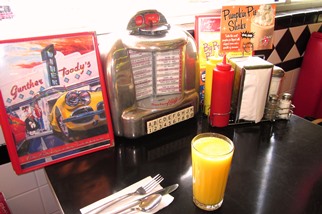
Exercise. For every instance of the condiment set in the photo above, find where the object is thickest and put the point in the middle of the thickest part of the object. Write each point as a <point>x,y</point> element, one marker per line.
<point>231,90</point>
<point>279,108</point>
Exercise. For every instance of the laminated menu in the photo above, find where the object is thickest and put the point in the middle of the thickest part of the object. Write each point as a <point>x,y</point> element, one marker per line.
<point>53,100</point>
<point>247,28</point>
<point>207,34</point>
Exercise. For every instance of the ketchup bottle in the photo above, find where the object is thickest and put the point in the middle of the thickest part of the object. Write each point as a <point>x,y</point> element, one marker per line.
<point>222,86</point>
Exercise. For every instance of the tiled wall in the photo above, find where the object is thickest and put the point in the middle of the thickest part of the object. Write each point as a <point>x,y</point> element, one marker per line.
<point>30,193</point>
<point>27,193</point>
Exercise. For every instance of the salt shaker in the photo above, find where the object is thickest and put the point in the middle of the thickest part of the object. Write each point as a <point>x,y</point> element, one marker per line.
<point>284,106</point>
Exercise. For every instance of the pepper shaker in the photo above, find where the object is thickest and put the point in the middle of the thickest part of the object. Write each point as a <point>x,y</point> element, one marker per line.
<point>271,107</point>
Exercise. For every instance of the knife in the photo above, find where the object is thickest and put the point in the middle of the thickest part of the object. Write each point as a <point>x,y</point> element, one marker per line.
<point>164,191</point>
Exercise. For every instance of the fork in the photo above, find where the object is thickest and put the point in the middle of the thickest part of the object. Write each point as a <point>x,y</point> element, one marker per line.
<point>144,189</point>
<point>141,190</point>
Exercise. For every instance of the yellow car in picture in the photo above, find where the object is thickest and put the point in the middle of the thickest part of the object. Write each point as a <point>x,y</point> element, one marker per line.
<point>77,110</point>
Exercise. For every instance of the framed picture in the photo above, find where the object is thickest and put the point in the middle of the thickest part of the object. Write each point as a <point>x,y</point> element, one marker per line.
<point>53,99</point>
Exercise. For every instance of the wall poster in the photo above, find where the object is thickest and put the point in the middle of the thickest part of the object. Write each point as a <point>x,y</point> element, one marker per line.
<point>53,101</point>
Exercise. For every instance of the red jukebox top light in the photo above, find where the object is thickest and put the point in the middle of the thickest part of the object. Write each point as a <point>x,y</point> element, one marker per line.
<point>148,19</point>
<point>139,21</point>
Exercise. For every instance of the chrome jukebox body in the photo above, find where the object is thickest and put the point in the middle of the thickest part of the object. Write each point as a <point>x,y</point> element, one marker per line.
<point>152,76</point>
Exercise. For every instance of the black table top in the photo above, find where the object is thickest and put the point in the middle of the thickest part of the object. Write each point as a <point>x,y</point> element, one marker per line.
<point>276,168</point>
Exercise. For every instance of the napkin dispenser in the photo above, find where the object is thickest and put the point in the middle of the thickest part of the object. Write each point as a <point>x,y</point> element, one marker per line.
<point>152,75</point>
<point>251,87</point>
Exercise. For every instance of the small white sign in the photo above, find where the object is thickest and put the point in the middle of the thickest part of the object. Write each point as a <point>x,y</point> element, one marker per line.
<point>169,119</point>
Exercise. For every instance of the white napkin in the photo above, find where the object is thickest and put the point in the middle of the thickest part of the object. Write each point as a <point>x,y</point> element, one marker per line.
<point>166,199</point>
<point>256,85</point>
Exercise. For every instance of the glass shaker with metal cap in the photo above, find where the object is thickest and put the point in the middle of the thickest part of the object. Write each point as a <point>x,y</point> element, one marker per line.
<point>276,80</point>
<point>271,107</point>
<point>284,106</point>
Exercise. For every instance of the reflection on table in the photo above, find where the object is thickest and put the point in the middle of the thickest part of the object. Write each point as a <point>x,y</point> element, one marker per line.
<point>276,168</point>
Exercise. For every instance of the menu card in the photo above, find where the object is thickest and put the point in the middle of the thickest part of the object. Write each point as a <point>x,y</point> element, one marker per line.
<point>246,28</point>
<point>207,34</point>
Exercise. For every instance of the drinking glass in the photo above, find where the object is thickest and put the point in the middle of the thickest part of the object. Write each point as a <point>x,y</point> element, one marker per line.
<point>211,159</point>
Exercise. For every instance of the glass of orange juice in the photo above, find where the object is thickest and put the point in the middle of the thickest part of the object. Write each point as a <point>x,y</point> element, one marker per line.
<point>211,159</point>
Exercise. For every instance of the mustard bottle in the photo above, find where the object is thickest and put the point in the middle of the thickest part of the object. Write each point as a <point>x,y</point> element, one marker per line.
<point>210,65</point>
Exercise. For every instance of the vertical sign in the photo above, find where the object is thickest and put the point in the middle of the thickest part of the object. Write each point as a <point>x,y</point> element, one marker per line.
<point>48,55</point>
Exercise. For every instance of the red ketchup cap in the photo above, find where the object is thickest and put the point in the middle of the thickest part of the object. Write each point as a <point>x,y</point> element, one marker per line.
<point>223,66</point>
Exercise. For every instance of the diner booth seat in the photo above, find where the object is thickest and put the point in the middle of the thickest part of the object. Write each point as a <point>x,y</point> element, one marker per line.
<point>308,91</point>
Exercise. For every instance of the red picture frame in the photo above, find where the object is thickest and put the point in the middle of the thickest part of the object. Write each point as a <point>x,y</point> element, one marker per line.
<point>53,100</point>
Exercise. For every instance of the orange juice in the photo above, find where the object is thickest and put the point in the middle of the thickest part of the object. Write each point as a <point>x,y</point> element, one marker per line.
<point>211,159</point>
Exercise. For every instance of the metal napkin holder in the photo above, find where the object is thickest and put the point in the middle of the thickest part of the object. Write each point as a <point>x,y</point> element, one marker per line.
<point>240,65</point>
